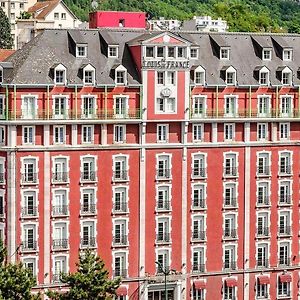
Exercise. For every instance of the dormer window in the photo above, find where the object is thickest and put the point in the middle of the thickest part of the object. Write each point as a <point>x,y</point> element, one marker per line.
<point>286,76</point>
<point>113,51</point>
<point>230,76</point>
<point>264,76</point>
<point>287,55</point>
<point>81,51</point>
<point>224,53</point>
<point>121,75</point>
<point>194,53</point>
<point>60,74</point>
<point>199,76</point>
<point>267,54</point>
<point>149,51</point>
<point>1,75</point>
<point>89,75</point>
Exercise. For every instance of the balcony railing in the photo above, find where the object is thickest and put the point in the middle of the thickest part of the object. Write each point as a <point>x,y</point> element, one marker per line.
<point>60,210</point>
<point>163,205</point>
<point>29,211</point>
<point>29,178</point>
<point>230,202</point>
<point>229,265</point>
<point>60,177</point>
<point>284,230</point>
<point>163,237</point>
<point>284,261</point>
<point>263,170</point>
<point>120,207</point>
<point>120,240</point>
<point>88,242</point>
<point>88,209</point>
<point>198,203</point>
<point>285,170</point>
<point>88,176</point>
<point>59,244</point>
<point>198,268</point>
<point>29,245</point>
<point>2,178</point>
<point>230,171</point>
<point>285,199</point>
<point>120,175</point>
<point>230,233</point>
<point>120,272</point>
<point>262,263</point>
<point>199,235</point>
<point>163,174</point>
<point>199,173</point>
<point>263,232</point>
<point>263,200</point>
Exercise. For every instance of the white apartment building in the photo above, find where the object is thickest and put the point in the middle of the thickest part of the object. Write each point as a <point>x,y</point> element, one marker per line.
<point>205,24</point>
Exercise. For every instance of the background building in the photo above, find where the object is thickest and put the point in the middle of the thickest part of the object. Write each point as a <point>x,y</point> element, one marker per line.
<point>176,148</point>
<point>206,24</point>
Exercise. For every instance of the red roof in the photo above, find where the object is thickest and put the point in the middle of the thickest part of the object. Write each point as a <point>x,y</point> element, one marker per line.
<point>5,53</point>
<point>231,282</point>
<point>264,280</point>
<point>42,8</point>
<point>199,284</point>
<point>285,278</point>
<point>122,290</point>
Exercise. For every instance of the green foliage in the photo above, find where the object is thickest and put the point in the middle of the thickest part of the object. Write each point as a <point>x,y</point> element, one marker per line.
<point>89,282</point>
<point>241,15</point>
<point>16,281</point>
<point>6,40</point>
<point>25,15</point>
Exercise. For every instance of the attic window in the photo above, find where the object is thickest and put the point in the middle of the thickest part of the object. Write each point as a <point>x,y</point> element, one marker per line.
<point>224,53</point>
<point>81,51</point>
<point>267,54</point>
<point>89,75</point>
<point>199,76</point>
<point>120,75</point>
<point>287,55</point>
<point>60,74</point>
<point>264,77</point>
<point>112,51</point>
<point>194,53</point>
<point>286,77</point>
<point>230,76</point>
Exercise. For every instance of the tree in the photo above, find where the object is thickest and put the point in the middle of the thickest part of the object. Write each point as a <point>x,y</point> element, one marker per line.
<point>89,282</point>
<point>6,40</point>
<point>16,281</point>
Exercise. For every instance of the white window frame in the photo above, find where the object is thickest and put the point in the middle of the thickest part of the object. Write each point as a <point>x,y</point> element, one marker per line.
<point>227,126</point>
<point>267,54</point>
<point>199,70</point>
<point>118,139</point>
<point>224,53</point>
<point>266,71</point>
<point>284,127</point>
<point>260,100</point>
<point>287,55</point>
<point>123,70</point>
<point>162,133</point>
<point>24,142</point>
<point>231,70</point>
<point>113,48</point>
<point>196,53</point>
<point>197,128</point>
<point>85,139</point>
<point>265,130</point>
<point>89,68</point>
<point>80,47</point>
<point>286,80</point>
<point>62,68</point>
<point>59,142</point>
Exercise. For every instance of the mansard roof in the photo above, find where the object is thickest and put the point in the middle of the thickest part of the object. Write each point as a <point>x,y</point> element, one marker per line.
<point>32,63</point>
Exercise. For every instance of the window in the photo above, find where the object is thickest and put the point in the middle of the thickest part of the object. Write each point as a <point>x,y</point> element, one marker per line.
<point>60,203</point>
<point>285,162</point>
<point>166,105</point>
<point>149,52</point>
<point>264,77</point>
<point>21,6</point>
<point>263,193</point>
<point>89,77</point>
<point>263,224</point>
<point>262,256</point>
<point>120,168</point>
<point>284,254</point>
<point>12,5</point>
<point>29,242</point>
<point>284,131</point>
<point>121,23</point>
<point>60,107</point>
<point>2,4</point>
<point>119,133</point>
<point>286,77</point>
<point>224,53</point>
<point>230,164</point>
<point>88,167</point>
<point>181,52</point>
<point>88,201</point>
<point>287,55</point>
<point>167,77</point>
<point>263,106</point>
<point>2,104</point>
<point>81,51</point>
<point>230,257</point>
<point>194,53</point>
<point>59,267</point>
<point>29,107</point>
<point>163,230</point>
<point>160,77</point>
<point>59,135</point>
<point>88,234</point>
<point>284,223</point>
<point>231,106</point>
<point>121,107</point>
<point>230,77</point>
<point>121,74</point>
<point>2,135</point>
<point>163,198</point>
<point>198,260</point>
<point>60,75</point>
<point>88,107</point>
<point>30,264</point>
<point>171,52</point>
<point>198,294</point>
<point>162,133</point>
<point>198,228</point>
<point>200,77</point>
<point>56,16</point>
<point>120,264</point>
<point>229,132</point>
<point>60,169</point>
<point>29,205</point>
<point>2,171</point>
<point>1,75</point>
<point>230,192</point>
<point>263,164</point>
<point>198,133</point>
<point>120,233</point>
<point>120,200</point>
<point>29,168</point>
<point>163,170</point>
<point>113,51</point>
<point>262,131</point>
<point>267,54</point>
<point>284,286</point>
<point>285,192</point>
<point>199,166</point>
<point>286,106</point>
<point>199,106</point>
<point>28,135</point>
<point>261,289</point>
<point>229,292</point>
<point>63,16</point>
<point>171,77</point>
<point>230,225</point>
<point>87,134</point>
<point>199,196</point>
<point>160,51</point>
<point>12,16</point>
<point>60,236</point>
<point>163,258</point>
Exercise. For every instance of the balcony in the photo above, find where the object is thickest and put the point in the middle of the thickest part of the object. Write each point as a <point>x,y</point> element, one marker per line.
<point>120,240</point>
<point>198,235</point>
<point>163,174</point>
<point>163,205</point>
<point>284,230</point>
<point>263,170</point>
<point>163,238</point>
<point>88,242</point>
<point>120,207</point>
<point>230,172</point>
<point>198,203</point>
<point>120,272</point>
<point>230,234</point>
<point>29,178</point>
<point>284,261</point>
<point>60,244</point>
<point>198,114</point>
<point>121,175</point>
<point>285,199</point>
<point>262,263</point>
<point>29,211</point>
<point>29,246</point>
<point>230,265</point>
<point>2,177</point>
<point>263,200</point>
<point>60,210</point>
<point>88,209</point>
<point>60,177</point>
<point>88,176</point>
<point>198,268</point>
<point>285,170</point>
<point>230,202</point>
<point>199,173</point>
<point>263,232</point>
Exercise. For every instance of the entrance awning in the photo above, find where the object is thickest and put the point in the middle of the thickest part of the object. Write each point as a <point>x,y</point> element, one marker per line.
<point>199,284</point>
<point>285,278</point>
<point>264,280</point>
<point>231,282</point>
<point>121,290</point>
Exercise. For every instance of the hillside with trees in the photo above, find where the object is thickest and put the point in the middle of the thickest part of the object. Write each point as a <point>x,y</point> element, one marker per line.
<point>241,15</point>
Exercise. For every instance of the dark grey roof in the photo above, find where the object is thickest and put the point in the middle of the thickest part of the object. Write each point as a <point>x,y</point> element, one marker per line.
<point>77,36</point>
<point>220,40</point>
<point>263,41</point>
<point>280,41</point>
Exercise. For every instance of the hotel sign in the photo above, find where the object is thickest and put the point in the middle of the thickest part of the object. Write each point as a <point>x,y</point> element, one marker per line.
<point>165,64</point>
